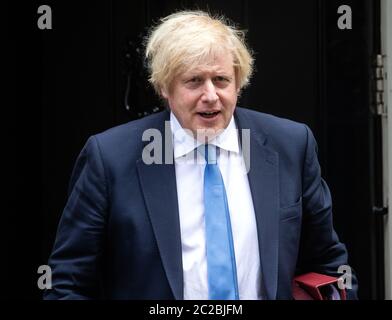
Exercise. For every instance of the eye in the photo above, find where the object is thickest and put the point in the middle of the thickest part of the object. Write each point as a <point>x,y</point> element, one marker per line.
<point>221,79</point>
<point>194,80</point>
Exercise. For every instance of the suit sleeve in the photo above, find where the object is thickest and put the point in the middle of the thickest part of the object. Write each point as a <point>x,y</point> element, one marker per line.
<point>320,248</point>
<point>76,257</point>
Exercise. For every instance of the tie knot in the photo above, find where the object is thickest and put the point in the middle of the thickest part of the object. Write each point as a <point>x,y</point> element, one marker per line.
<point>209,152</point>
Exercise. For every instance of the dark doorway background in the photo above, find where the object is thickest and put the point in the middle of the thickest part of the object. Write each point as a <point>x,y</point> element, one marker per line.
<point>86,75</point>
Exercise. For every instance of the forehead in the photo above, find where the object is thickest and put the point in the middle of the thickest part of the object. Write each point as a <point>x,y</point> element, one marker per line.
<point>214,63</point>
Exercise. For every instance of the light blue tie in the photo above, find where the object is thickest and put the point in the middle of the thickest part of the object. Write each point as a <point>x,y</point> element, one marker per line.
<point>221,266</point>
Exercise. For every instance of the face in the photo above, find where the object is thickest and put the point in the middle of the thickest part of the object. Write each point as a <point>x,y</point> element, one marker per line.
<point>203,99</point>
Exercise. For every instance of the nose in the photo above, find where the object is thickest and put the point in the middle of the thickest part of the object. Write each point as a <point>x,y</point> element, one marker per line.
<point>209,92</point>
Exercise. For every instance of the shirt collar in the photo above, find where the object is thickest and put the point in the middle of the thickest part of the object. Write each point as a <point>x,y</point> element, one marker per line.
<point>184,143</point>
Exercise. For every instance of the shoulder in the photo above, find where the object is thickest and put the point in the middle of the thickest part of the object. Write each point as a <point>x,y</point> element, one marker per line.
<point>275,129</point>
<point>292,141</point>
<point>129,135</point>
<point>133,129</point>
<point>125,142</point>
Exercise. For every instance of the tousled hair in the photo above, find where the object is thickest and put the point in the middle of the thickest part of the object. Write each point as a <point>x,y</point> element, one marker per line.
<point>186,39</point>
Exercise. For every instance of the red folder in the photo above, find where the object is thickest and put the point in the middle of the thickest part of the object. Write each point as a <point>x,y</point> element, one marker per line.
<point>316,286</point>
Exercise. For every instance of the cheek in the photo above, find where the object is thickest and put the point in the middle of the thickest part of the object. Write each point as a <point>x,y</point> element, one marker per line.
<point>185,99</point>
<point>183,104</point>
<point>230,100</point>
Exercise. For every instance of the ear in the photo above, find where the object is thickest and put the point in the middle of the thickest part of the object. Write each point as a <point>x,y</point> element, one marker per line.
<point>164,93</point>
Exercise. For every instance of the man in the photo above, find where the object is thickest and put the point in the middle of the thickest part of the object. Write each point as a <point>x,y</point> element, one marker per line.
<point>233,216</point>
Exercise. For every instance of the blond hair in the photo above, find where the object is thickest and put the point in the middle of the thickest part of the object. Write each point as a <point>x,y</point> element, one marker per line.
<point>185,39</point>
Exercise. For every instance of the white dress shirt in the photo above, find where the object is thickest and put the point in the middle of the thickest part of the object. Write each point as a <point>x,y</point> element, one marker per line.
<point>189,178</point>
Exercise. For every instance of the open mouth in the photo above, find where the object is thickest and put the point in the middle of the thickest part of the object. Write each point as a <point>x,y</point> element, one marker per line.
<point>209,115</point>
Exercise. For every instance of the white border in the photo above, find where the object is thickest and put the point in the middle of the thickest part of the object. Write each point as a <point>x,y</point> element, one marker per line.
<point>386,48</point>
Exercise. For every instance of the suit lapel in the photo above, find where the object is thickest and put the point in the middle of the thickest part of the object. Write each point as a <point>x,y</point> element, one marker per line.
<point>158,184</point>
<point>263,178</point>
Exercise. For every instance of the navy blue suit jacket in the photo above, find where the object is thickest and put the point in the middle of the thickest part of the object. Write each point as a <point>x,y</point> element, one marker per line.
<point>119,235</point>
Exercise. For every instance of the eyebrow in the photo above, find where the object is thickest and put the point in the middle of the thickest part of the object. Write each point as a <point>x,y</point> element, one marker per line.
<point>216,73</point>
